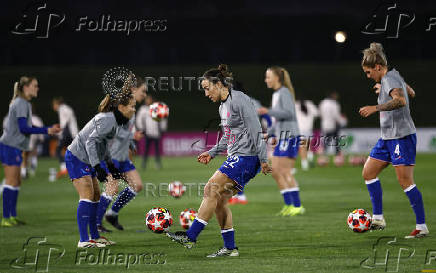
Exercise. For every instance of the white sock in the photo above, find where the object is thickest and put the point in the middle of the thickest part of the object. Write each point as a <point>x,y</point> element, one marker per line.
<point>242,197</point>
<point>377,217</point>
<point>421,227</point>
<point>304,164</point>
<point>111,212</point>
<point>310,156</point>
<point>63,166</point>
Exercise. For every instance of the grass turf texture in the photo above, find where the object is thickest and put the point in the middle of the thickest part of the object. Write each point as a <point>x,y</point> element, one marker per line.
<point>319,241</point>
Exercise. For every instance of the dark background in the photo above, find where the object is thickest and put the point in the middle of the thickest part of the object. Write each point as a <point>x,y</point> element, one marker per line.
<point>247,35</point>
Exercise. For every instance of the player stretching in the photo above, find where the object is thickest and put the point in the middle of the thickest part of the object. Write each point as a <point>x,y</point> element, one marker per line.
<point>120,148</point>
<point>397,144</point>
<point>83,158</point>
<point>286,129</point>
<point>246,156</point>
<point>15,140</point>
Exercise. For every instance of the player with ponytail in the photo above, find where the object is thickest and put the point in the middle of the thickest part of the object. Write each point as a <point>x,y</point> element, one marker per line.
<point>285,128</point>
<point>85,154</point>
<point>397,145</point>
<point>15,140</point>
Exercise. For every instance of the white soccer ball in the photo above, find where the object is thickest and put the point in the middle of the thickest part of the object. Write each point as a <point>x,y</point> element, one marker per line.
<point>176,189</point>
<point>158,220</point>
<point>359,220</point>
<point>187,217</point>
<point>159,111</point>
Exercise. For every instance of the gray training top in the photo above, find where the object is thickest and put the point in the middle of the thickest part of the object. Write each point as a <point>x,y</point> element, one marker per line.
<point>19,108</point>
<point>91,143</point>
<point>119,148</point>
<point>242,133</point>
<point>283,111</point>
<point>396,123</point>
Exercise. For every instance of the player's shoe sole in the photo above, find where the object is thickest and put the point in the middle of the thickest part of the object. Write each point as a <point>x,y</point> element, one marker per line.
<point>417,234</point>
<point>378,224</point>
<point>113,220</point>
<point>105,241</point>
<point>90,244</point>
<point>224,252</point>
<point>181,238</point>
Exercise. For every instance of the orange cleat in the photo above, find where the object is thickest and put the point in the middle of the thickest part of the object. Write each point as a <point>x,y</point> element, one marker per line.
<point>234,200</point>
<point>61,173</point>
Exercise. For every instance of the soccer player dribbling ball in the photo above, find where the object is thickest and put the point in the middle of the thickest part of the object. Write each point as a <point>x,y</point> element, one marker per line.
<point>242,137</point>
<point>397,145</point>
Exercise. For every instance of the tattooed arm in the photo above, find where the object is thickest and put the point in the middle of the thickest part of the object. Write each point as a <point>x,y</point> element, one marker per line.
<point>398,100</point>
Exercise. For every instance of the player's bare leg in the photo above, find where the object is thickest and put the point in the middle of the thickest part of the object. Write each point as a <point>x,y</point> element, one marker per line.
<point>405,178</point>
<point>371,170</point>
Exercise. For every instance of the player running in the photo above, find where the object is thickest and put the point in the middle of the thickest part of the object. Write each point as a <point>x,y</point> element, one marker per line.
<point>285,128</point>
<point>246,156</point>
<point>397,144</point>
<point>120,149</point>
<point>15,140</point>
<point>83,158</point>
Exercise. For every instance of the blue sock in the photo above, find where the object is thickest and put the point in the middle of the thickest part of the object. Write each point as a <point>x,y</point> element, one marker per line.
<point>195,229</point>
<point>13,202</point>
<point>229,238</point>
<point>287,196</point>
<point>83,211</point>
<point>102,207</point>
<point>416,203</point>
<point>93,221</point>
<point>295,193</point>
<point>125,196</point>
<point>7,194</point>
<point>376,195</point>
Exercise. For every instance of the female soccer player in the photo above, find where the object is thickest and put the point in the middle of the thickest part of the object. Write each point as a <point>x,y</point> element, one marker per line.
<point>15,140</point>
<point>397,144</point>
<point>68,122</point>
<point>83,158</point>
<point>286,129</point>
<point>121,146</point>
<point>306,112</point>
<point>242,136</point>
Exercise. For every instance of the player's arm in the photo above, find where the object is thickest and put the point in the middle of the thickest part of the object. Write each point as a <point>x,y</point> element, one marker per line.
<point>94,143</point>
<point>398,100</point>
<point>282,109</point>
<point>221,146</point>
<point>410,91</point>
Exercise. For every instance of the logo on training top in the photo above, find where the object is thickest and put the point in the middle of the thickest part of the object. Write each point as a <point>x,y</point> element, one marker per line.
<point>389,20</point>
<point>38,20</point>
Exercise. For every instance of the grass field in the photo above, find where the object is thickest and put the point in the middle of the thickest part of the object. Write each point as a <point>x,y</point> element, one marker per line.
<point>318,241</point>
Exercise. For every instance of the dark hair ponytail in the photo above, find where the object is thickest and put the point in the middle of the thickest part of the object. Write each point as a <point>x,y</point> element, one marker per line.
<point>221,74</point>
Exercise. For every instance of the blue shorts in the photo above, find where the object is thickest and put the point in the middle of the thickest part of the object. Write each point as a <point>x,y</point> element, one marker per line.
<point>240,169</point>
<point>10,156</point>
<point>400,151</point>
<point>122,166</point>
<point>76,168</point>
<point>287,147</point>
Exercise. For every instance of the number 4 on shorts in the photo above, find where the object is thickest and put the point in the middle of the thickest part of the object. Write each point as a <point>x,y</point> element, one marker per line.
<point>397,149</point>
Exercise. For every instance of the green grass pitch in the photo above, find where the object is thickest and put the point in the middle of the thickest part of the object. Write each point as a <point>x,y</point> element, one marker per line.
<point>319,241</point>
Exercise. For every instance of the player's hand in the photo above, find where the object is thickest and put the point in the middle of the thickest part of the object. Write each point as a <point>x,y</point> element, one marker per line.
<point>266,168</point>
<point>262,111</point>
<point>101,173</point>
<point>366,111</point>
<point>116,174</point>
<point>377,87</point>
<point>204,158</point>
<point>54,130</point>
<point>138,136</point>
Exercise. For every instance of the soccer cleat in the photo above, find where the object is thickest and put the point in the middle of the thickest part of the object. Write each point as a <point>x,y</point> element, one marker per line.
<point>90,244</point>
<point>61,173</point>
<point>242,201</point>
<point>285,210</point>
<point>17,221</point>
<point>224,252</point>
<point>233,200</point>
<point>181,238</point>
<point>297,211</point>
<point>378,224</point>
<point>105,241</point>
<point>417,234</point>
<point>113,220</point>
<point>102,229</point>
<point>6,222</point>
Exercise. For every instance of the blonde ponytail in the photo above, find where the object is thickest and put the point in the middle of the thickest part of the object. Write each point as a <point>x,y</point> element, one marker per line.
<point>374,55</point>
<point>284,78</point>
<point>105,104</point>
<point>18,86</point>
